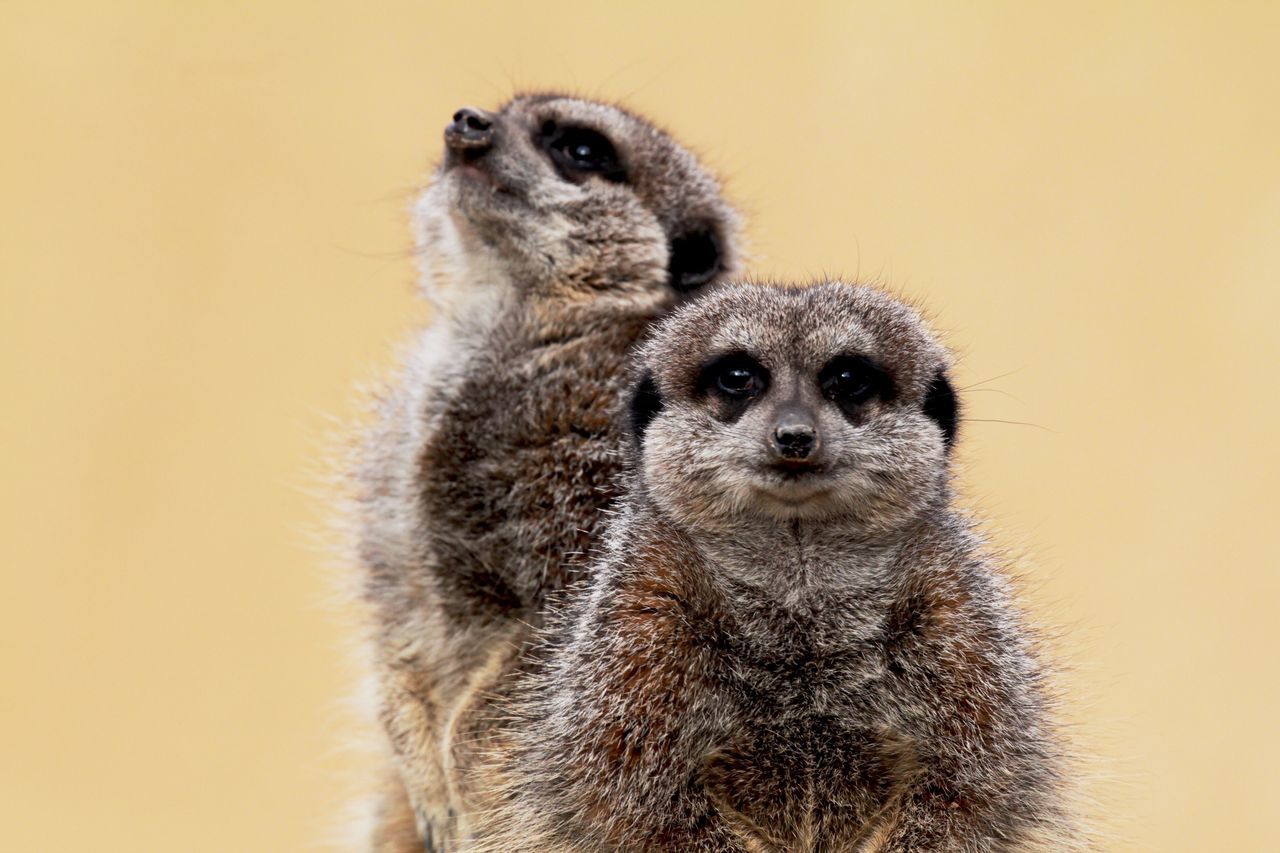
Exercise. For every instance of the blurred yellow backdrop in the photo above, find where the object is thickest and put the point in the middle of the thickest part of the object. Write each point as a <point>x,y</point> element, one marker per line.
<point>203,251</point>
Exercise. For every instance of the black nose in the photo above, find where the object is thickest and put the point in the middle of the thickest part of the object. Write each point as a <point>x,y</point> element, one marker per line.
<point>470,129</point>
<point>795,440</point>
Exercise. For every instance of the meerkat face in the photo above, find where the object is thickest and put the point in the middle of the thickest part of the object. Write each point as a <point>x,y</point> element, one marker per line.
<point>566,198</point>
<point>823,402</point>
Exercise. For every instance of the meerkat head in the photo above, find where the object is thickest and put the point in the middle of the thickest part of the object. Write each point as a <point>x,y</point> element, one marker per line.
<point>558,197</point>
<point>823,402</point>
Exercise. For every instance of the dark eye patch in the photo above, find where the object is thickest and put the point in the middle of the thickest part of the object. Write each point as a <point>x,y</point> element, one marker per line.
<point>694,259</point>
<point>578,151</point>
<point>852,381</point>
<point>941,405</point>
<point>734,379</point>
<point>646,403</point>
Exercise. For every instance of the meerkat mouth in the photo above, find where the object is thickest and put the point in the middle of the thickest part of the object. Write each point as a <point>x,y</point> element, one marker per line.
<point>458,157</point>
<point>794,470</point>
<point>470,172</point>
<point>477,183</point>
<point>795,485</point>
<point>795,505</point>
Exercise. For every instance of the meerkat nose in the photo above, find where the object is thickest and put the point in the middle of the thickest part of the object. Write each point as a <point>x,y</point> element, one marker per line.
<point>470,129</point>
<point>795,439</point>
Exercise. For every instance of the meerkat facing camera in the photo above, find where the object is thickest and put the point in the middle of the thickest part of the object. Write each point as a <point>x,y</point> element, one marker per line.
<point>555,232</point>
<point>793,642</point>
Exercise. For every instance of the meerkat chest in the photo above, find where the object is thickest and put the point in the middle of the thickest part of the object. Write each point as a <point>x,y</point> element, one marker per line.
<point>804,782</point>
<point>808,757</point>
<point>823,654</point>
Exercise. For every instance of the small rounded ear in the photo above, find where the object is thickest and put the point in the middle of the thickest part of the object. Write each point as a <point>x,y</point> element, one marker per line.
<point>645,406</point>
<point>694,259</point>
<point>941,405</point>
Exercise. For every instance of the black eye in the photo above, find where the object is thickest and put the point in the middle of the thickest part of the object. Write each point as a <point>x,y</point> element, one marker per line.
<point>850,381</point>
<point>739,382</point>
<point>577,150</point>
<point>737,376</point>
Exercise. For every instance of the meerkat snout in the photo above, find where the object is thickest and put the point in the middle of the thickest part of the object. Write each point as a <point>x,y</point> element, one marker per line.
<point>469,136</point>
<point>795,439</point>
<point>471,130</point>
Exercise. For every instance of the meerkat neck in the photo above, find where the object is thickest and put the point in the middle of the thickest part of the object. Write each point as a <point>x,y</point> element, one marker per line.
<point>556,319</point>
<point>799,559</point>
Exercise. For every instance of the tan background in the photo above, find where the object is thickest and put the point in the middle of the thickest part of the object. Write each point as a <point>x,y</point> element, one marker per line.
<point>203,250</point>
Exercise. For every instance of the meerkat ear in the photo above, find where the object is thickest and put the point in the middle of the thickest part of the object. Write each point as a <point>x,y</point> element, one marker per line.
<point>941,405</point>
<point>694,259</point>
<point>645,405</point>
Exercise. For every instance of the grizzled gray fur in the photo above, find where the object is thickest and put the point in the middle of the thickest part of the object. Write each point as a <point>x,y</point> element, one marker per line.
<point>554,233</point>
<point>793,641</point>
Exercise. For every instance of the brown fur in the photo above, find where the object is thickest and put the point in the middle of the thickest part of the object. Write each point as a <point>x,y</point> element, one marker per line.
<point>395,825</point>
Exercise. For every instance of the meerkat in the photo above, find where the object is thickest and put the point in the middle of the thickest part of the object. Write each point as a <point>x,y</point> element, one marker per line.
<point>792,641</point>
<point>554,233</point>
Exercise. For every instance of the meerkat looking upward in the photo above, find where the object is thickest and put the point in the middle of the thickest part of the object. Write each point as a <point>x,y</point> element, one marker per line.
<point>554,233</point>
<point>792,642</point>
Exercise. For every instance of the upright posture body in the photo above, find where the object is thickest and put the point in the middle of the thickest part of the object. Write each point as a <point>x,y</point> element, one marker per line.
<point>792,642</point>
<point>554,233</point>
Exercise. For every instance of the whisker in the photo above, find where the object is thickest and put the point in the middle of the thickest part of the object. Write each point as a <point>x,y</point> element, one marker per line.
<point>1001,391</point>
<point>1014,423</point>
<point>992,379</point>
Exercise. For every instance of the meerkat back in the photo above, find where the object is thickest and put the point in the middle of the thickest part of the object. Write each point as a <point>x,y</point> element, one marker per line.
<point>555,231</point>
